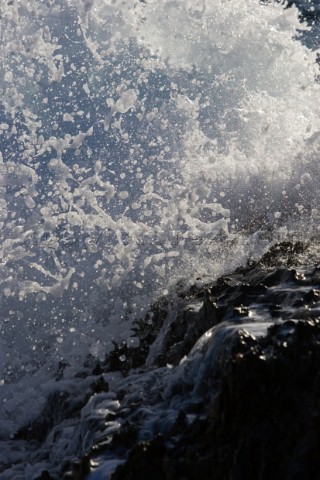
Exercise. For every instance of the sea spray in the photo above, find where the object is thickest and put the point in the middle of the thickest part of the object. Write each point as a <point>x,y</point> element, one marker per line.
<point>141,144</point>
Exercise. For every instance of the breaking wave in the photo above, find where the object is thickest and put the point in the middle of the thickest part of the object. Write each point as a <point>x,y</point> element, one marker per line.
<point>142,144</point>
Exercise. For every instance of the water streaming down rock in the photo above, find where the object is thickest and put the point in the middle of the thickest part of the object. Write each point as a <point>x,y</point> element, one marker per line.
<point>141,145</point>
<point>211,411</point>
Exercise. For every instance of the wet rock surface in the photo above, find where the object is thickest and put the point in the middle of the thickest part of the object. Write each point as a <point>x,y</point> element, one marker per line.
<point>225,384</point>
<point>258,414</point>
<point>264,422</point>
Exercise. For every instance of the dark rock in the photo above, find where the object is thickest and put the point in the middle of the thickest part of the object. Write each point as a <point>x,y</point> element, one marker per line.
<point>99,385</point>
<point>146,460</point>
<point>184,330</point>
<point>78,469</point>
<point>241,405</point>
<point>259,412</point>
<point>97,370</point>
<point>61,405</point>
<point>124,358</point>
<point>285,253</point>
<point>45,475</point>
<point>263,423</point>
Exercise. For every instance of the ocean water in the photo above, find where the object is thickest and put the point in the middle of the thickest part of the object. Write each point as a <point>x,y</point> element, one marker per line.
<point>142,144</point>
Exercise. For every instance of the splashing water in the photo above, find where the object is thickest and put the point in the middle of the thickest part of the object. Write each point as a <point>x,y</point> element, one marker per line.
<point>141,143</point>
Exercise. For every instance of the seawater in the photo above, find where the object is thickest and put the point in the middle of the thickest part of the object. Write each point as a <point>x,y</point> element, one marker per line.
<point>142,143</point>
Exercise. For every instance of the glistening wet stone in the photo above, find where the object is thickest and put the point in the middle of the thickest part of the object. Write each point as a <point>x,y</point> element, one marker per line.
<point>225,384</point>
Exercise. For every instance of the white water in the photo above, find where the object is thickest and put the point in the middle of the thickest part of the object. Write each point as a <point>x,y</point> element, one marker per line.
<point>131,135</point>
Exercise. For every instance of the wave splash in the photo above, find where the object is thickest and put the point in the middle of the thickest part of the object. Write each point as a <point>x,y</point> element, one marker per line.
<point>141,144</point>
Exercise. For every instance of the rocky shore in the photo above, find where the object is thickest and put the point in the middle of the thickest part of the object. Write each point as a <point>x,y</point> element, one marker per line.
<point>258,414</point>
<point>225,384</point>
